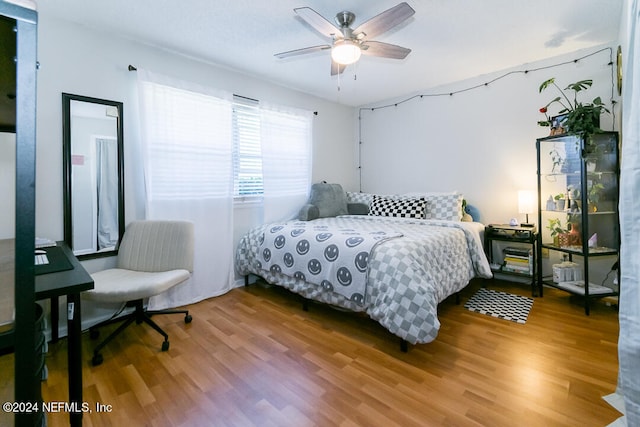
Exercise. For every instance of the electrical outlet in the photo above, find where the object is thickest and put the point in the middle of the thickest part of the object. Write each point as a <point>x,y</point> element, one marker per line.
<point>545,253</point>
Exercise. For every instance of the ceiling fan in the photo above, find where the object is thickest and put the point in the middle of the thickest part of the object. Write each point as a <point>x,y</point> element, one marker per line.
<point>348,44</point>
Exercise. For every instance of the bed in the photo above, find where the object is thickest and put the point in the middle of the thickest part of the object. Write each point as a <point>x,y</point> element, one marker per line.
<point>392,263</point>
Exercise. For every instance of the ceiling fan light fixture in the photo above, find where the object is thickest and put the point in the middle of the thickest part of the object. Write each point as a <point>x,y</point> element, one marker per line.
<point>345,52</point>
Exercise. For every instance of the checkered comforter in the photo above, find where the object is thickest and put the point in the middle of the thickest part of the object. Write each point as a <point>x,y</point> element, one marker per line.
<point>407,277</point>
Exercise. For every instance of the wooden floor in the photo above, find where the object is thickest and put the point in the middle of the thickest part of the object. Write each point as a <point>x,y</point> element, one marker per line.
<point>253,357</point>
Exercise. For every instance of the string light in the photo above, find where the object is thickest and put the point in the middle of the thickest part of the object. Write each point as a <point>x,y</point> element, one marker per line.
<point>503,76</point>
<point>486,84</point>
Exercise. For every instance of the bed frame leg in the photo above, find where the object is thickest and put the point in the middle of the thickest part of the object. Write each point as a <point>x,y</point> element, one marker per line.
<point>305,305</point>
<point>246,280</point>
<point>457,298</point>
<point>404,346</point>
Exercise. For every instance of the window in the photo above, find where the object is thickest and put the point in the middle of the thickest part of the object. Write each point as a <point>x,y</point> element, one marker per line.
<point>247,153</point>
<point>188,143</point>
<point>201,144</point>
<point>271,149</point>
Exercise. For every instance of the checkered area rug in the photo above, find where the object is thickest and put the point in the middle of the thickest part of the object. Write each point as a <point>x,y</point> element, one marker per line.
<point>502,305</point>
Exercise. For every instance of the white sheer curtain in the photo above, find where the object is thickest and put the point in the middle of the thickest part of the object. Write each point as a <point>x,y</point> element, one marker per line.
<point>629,340</point>
<point>187,151</point>
<point>286,138</point>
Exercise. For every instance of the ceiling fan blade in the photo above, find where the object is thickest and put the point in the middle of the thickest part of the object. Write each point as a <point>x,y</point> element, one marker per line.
<point>302,51</point>
<point>385,20</point>
<point>318,22</point>
<point>385,50</point>
<point>336,68</point>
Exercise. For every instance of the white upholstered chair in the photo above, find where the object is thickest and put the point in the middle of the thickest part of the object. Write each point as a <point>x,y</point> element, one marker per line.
<point>153,257</point>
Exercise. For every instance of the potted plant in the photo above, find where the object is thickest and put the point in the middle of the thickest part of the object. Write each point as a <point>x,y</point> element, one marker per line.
<point>593,195</point>
<point>560,201</point>
<point>557,230</point>
<point>579,117</point>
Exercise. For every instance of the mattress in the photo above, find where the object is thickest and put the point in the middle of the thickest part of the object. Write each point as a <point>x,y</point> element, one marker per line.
<point>409,272</point>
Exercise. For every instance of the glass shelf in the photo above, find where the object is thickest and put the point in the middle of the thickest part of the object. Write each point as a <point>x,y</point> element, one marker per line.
<point>584,171</point>
<point>576,249</point>
<point>578,288</point>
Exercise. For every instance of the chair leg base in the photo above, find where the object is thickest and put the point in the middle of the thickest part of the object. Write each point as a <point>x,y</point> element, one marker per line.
<point>140,315</point>
<point>187,316</point>
<point>97,359</point>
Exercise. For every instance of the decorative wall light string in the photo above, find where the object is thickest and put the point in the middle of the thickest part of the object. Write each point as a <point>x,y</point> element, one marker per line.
<point>503,76</point>
<point>481,85</point>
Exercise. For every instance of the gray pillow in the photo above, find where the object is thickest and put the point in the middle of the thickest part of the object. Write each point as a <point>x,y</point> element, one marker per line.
<point>358,208</point>
<point>330,199</point>
<point>308,212</point>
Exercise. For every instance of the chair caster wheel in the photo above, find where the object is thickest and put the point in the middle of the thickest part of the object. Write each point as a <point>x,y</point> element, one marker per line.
<point>165,346</point>
<point>188,318</point>
<point>94,333</point>
<point>96,359</point>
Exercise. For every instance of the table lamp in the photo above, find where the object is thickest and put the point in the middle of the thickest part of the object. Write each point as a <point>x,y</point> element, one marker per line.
<point>526,205</point>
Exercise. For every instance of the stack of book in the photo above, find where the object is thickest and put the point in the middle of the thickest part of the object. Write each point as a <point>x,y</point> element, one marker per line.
<point>518,260</point>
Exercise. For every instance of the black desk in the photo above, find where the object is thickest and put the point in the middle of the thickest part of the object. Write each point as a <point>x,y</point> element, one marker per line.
<point>70,283</point>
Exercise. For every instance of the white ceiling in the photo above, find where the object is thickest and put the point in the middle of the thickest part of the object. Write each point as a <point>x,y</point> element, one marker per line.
<point>451,40</point>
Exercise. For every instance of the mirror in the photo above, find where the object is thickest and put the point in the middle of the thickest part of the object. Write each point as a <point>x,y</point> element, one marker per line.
<point>93,175</point>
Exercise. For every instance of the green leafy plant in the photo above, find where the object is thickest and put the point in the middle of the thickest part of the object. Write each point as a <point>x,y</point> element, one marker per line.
<point>555,227</point>
<point>594,193</point>
<point>579,117</point>
<point>573,220</point>
<point>560,201</point>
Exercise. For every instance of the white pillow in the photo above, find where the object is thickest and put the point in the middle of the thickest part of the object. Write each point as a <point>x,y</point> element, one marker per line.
<point>445,207</point>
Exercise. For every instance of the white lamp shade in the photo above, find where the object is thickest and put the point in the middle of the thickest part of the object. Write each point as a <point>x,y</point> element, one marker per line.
<point>345,52</point>
<point>526,202</point>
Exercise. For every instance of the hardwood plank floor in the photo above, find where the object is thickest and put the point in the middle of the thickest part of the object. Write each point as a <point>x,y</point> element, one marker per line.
<point>253,357</point>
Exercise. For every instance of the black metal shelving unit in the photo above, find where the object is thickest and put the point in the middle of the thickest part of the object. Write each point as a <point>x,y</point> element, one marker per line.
<point>523,238</point>
<point>27,337</point>
<point>586,170</point>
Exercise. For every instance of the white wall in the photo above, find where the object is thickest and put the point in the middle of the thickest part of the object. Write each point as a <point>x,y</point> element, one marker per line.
<point>480,142</point>
<point>77,60</point>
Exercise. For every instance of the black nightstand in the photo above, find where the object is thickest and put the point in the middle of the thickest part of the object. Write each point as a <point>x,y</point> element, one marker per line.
<point>518,260</point>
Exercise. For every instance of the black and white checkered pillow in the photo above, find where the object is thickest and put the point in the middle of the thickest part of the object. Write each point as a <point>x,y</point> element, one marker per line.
<point>404,208</point>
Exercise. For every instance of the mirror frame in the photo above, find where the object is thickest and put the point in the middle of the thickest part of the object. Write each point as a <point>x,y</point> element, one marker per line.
<point>67,165</point>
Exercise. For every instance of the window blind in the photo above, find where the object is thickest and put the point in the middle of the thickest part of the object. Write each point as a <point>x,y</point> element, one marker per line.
<point>203,146</point>
<point>286,150</point>
<point>189,146</point>
<point>247,153</point>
